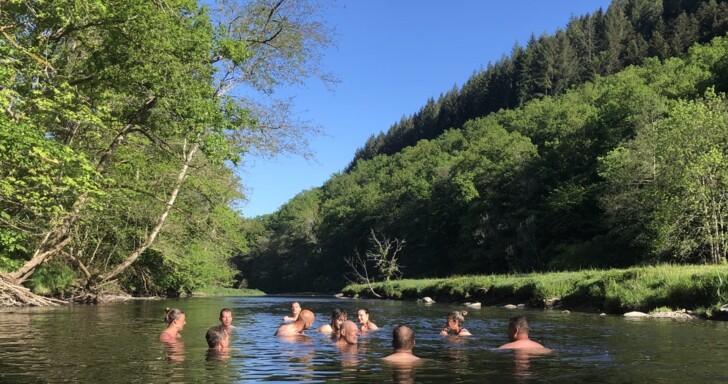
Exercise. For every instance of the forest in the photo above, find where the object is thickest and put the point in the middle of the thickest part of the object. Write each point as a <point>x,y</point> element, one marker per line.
<point>121,124</point>
<point>603,145</point>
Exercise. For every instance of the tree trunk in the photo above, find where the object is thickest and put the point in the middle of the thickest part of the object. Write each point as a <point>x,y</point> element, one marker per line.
<point>58,237</point>
<point>160,223</point>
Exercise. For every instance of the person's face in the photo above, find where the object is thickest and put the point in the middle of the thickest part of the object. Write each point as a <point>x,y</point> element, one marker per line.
<point>295,308</point>
<point>339,321</point>
<point>226,319</point>
<point>349,334</point>
<point>452,323</point>
<point>180,322</point>
<point>362,316</point>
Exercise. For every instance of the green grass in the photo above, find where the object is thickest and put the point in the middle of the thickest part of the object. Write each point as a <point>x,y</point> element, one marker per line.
<point>219,291</point>
<point>700,288</point>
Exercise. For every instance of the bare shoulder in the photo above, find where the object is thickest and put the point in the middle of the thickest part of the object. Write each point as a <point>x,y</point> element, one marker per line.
<point>526,345</point>
<point>401,358</point>
<point>166,337</point>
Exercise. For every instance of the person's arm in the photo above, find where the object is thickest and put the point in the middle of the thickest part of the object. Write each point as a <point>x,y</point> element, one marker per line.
<point>464,332</point>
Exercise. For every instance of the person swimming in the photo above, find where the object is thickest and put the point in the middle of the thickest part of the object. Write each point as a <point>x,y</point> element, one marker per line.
<point>348,333</point>
<point>454,325</point>
<point>366,325</point>
<point>518,327</point>
<point>337,318</point>
<point>403,342</point>
<point>304,321</point>
<point>226,319</point>
<point>175,320</point>
<point>295,311</point>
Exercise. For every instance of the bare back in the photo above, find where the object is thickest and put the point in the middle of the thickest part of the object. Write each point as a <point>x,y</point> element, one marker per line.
<point>522,344</point>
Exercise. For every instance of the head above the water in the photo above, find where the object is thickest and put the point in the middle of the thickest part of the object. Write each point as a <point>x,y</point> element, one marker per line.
<point>349,332</point>
<point>518,327</point>
<point>174,315</point>
<point>403,337</point>
<point>217,337</point>
<point>308,317</point>
<point>295,308</point>
<point>363,315</point>
<point>458,317</point>
<point>338,316</point>
<point>226,317</point>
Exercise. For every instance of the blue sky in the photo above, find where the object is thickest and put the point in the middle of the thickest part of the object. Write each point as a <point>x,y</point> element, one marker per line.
<point>391,56</point>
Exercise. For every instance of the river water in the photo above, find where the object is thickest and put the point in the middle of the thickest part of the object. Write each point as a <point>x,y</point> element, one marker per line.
<point>118,344</point>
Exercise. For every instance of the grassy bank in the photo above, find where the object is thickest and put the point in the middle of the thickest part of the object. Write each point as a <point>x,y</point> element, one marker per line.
<point>702,289</point>
<point>218,291</point>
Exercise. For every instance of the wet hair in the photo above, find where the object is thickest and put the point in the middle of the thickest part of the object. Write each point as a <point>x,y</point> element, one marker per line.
<point>518,323</point>
<point>366,310</point>
<point>403,337</point>
<point>458,316</point>
<point>226,310</point>
<point>337,314</point>
<point>215,335</point>
<point>172,314</point>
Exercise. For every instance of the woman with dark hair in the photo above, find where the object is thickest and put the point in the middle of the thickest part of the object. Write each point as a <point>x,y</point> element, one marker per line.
<point>337,318</point>
<point>363,315</point>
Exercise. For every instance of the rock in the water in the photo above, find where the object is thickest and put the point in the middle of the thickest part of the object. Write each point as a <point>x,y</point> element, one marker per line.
<point>427,300</point>
<point>635,314</point>
<point>566,311</point>
<point>510,306</point>
<point>473,305</point>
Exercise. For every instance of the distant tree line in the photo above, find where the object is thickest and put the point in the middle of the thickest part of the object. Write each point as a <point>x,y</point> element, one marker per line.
<point>592,45</point>
<point>622,169</point>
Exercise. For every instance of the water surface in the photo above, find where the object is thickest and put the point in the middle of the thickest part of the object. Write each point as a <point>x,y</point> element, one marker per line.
<point>118,344</point>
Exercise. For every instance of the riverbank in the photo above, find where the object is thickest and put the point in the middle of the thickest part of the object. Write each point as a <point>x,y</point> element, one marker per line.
<point>219,291</point>
<point>700,289</point>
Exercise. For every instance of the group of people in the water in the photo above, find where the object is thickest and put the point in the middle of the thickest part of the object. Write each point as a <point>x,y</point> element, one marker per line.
<point>346,332</point>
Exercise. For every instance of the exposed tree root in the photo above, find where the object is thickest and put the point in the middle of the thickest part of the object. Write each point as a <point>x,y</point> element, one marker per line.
<point>15,295</point>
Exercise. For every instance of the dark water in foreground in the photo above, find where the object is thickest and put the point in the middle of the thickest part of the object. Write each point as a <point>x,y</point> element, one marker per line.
<point>118,344</point>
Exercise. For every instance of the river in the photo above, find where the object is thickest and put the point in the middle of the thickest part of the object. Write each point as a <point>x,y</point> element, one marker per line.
<point>117,343</point>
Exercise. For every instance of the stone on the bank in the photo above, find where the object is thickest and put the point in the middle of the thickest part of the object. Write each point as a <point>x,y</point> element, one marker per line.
<point>724,308</point>
<point>476,305</point>
<point>510,306</point>
<point>635,314</point>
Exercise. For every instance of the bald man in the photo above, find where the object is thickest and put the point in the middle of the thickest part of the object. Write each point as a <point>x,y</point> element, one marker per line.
<point>304,321</point>
<point>348,334</point>
<point>403,342</point>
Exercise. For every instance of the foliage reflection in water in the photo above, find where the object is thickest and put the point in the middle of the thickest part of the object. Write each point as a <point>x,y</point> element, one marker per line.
<point>118,344</point>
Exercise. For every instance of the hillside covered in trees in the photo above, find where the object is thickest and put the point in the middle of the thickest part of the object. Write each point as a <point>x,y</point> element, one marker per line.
<point>120,124</point>
<point>604,145</point>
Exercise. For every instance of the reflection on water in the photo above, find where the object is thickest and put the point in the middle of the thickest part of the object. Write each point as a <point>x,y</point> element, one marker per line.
<point>403,373</point>
<point>119,344</point>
